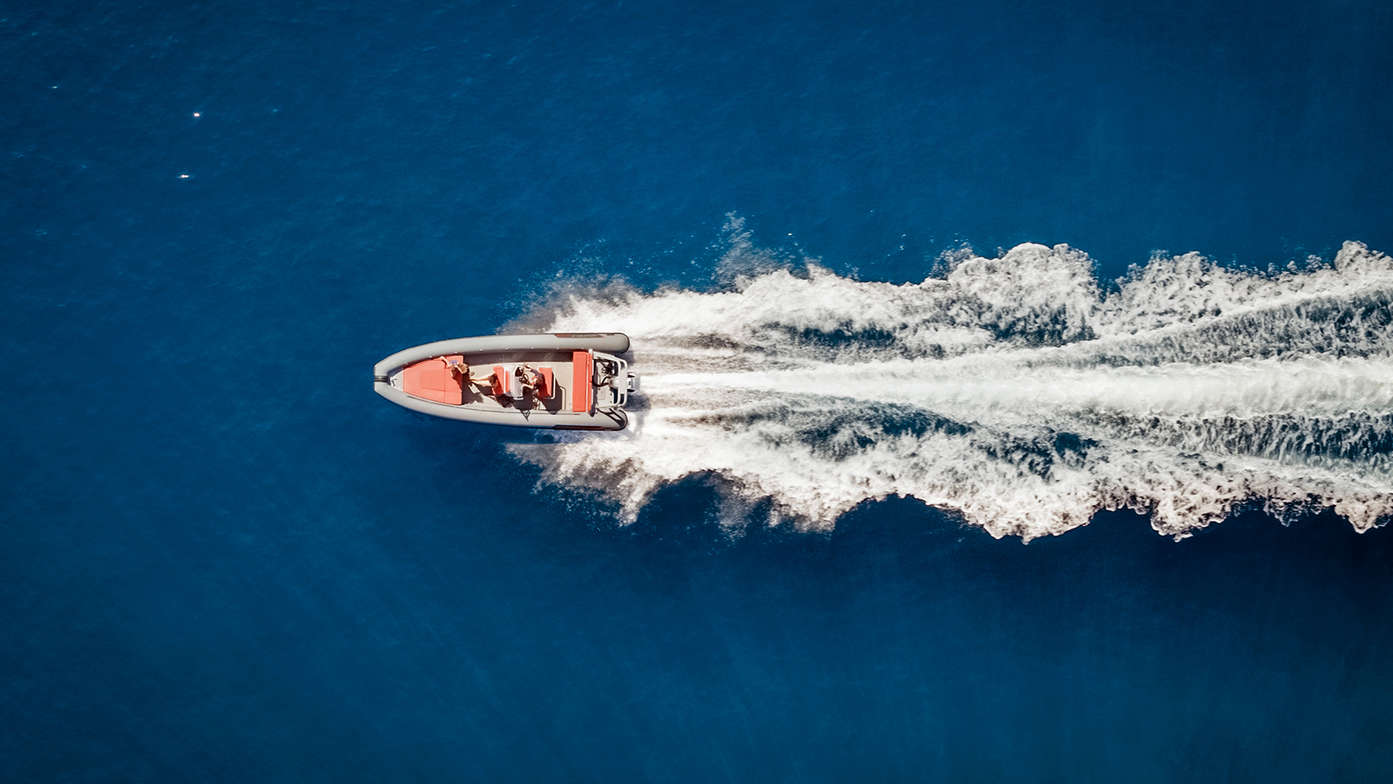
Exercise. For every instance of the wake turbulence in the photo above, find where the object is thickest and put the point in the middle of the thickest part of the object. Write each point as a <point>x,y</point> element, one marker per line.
<point>1011,390</point>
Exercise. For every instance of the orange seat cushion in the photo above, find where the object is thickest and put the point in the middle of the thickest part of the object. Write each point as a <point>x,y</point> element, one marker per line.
<point>548,386</point>
<point>432,379</point>
<point>582,389</point>
<point>500,381</point>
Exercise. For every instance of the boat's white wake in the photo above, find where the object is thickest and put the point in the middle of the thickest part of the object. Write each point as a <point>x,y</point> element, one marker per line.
<point>1012,390</point>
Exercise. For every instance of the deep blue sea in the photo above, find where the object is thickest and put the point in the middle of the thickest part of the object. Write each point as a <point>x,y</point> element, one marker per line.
<point>225,559</point>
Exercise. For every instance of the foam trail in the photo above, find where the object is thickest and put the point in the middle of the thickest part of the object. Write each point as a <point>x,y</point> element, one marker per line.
<point>1014,391</point>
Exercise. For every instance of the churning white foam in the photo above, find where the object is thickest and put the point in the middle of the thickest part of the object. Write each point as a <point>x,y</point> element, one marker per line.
<point>1015,391</point>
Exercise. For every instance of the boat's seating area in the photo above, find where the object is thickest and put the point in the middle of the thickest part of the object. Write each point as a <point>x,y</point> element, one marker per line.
<point>506,384</point>
<point>432,379</point>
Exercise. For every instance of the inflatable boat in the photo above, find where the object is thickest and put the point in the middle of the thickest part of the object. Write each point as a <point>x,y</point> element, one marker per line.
<point>563,381</point>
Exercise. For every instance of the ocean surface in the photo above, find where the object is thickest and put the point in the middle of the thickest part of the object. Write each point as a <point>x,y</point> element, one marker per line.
<point>1017,392</point>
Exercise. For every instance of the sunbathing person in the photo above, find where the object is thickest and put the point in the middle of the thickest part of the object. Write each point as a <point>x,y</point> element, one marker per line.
<point>461,367</point>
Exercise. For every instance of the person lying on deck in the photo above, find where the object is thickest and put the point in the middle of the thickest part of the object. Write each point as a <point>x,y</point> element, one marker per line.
<point>462,368</point>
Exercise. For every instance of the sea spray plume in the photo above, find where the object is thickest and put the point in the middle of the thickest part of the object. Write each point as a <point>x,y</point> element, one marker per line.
<point>1014,391</point>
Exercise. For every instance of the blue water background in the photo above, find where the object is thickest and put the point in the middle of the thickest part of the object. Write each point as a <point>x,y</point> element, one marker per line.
<point>224,558</point>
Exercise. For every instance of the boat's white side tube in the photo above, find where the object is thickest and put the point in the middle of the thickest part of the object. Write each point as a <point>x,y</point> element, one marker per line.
<point>598,419</point>
<point>610,342</point>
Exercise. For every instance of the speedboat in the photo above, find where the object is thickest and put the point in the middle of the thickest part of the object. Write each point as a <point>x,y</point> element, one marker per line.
<point>563,380</point>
